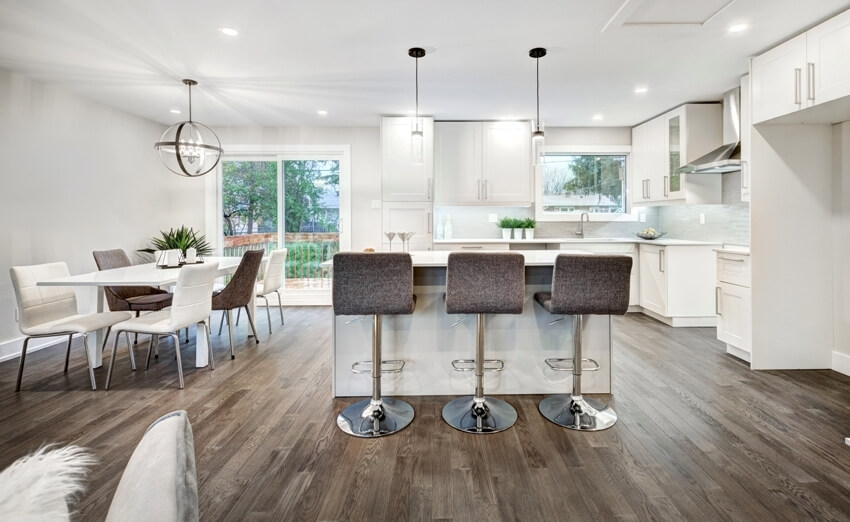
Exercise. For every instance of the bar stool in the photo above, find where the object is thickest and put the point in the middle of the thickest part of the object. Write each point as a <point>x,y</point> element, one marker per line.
<point>582,285</point>
<point>478,283</point>
<point>374,284</point>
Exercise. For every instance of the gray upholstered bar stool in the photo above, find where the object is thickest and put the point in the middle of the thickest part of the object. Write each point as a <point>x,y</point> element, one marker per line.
<point>374,284</point>
<point>479,283</point>
<point>583,285</point>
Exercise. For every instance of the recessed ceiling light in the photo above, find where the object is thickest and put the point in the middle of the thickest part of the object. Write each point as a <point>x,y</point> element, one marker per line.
<point>228,31</point>
<point>597,117</point>
<point>641,90</point>
<point>737,28</point>
<point>321,112</point>
<point>175,111</point>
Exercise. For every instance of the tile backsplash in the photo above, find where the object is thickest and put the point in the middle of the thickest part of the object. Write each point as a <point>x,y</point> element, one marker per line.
<point>726,223</point>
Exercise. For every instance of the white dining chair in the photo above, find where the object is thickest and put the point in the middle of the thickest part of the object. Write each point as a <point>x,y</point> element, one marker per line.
<point>51,311</point>
<point>191,305</point>
<point>272,283</point>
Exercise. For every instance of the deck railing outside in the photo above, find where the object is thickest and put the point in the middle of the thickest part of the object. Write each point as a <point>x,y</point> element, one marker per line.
<point>305,252</point>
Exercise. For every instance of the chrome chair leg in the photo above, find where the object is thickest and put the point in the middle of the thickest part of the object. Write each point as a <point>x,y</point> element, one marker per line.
<point>209,345</point>
<point>268,313</point>
<point>88,360</point>
<point>21,364</point>
<point>280,307</point>
<point>68,351</point>
<point>230,333</point>
<point>112,360</point>
<point>176,338</point>
<point>251,322</point>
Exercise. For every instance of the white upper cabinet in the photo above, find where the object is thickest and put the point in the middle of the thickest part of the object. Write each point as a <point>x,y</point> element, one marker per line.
<point>828,63</point>
<point>506,162</point>
<point>778,80</point>
<point>483,163</point>
<point>662,145</point>
<point>401,181</point>
<point>457,159</point>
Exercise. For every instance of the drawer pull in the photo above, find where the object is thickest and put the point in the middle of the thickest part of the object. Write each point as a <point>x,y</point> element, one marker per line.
<point>717,301</point>
<point>471,247</point>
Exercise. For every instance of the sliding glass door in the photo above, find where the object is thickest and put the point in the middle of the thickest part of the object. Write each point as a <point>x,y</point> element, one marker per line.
<point>296,200</point>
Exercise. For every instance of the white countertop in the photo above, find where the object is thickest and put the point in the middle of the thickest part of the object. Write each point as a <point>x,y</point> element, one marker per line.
<point>558,240</point>
<point>431,258</point>
<point>733,249</point>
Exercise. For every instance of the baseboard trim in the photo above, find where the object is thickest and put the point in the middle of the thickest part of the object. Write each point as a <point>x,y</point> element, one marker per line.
<point>737,352</point>
<point>841,362</point>
<point>682,322</point>
<point>12,349</point>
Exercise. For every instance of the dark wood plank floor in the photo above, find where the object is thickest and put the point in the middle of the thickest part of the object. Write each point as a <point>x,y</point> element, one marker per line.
<point>700,437</point>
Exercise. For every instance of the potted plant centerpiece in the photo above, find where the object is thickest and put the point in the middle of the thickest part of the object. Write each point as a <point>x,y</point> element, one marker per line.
<point>180,239</point>
<point>528,224</point>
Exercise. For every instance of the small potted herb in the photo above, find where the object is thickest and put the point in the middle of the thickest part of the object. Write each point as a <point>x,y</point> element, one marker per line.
<point>528,224</point>
<point>506,224</point>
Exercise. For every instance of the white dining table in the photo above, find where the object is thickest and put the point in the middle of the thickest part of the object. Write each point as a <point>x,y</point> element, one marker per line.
<point>139,275</point>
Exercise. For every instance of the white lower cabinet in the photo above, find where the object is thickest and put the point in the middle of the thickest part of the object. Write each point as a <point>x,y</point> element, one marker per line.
<point>733,303</point>
<point>677,284</point>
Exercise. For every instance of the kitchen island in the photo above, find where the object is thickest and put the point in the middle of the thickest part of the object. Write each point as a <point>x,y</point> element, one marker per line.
<point>428,341</point>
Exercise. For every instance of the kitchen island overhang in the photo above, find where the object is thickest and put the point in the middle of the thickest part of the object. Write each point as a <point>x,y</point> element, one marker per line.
<point>430,339</point>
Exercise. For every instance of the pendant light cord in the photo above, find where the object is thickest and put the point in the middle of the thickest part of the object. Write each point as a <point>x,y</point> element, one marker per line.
<point>190,103</point>
<point>417,93</point>
<point>537,61</point>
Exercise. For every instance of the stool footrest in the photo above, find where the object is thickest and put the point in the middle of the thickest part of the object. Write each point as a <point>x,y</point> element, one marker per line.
<point>468,365</point>
<point>387,366</point>
<point>568,364</point>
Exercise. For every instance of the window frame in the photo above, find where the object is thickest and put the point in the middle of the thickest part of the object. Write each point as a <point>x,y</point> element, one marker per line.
<point>630,213</point>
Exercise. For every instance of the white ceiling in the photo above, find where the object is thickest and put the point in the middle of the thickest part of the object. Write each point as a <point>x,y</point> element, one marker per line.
<point>292,58</point>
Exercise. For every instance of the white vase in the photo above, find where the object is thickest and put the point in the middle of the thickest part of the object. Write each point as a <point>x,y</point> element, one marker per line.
<point>529,233</point>
<point>506,233</point>
<point>517,233</point>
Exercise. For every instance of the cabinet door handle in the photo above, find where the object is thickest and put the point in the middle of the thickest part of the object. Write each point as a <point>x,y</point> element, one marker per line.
<point>430,189</point>
<point>797,87</point>
<point>479,189</point>
<point>430,222</point>
<point>717,301</point>
<point>648,189</point>
<point>745,175</point>
<point>666,186</point>
<point>661,260</point>
<point>810,83</point>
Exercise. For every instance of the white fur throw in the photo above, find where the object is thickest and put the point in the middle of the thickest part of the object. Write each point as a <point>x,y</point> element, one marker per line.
<point>38,487</point>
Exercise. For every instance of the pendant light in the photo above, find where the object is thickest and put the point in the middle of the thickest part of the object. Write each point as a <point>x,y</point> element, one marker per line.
<point>189,148</point>
<point>537,134</point>
<point>417,138</point>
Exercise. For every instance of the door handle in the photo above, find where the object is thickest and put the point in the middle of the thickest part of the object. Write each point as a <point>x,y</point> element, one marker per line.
<point>797,87</point>
<point>661,260</point>
<point>648,189</point>
<point>745,175</point>
<point>717,310</point>
<point>810,83</point>
<point>666,186</point>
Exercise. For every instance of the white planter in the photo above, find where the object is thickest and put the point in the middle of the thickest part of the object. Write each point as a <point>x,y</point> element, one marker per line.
<point>506,233</point>
<point>517,233</point>
<point>529,233</point>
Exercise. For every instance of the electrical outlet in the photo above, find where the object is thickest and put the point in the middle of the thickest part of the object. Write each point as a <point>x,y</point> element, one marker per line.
<point>492,218</point>
<point>376,203</point>
<point>701,218</point>
<point>643,218</point>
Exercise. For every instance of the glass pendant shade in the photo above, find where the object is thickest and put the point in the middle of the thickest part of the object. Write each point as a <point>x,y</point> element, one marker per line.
<point>417,144</point>
<point>537,142</point>
<point>189,148</point>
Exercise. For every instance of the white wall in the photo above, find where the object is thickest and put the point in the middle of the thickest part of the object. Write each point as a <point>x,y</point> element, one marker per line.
<point>365,143</point>
<point>841,241</point>
<point>78,176</point>
<point>792,247</point>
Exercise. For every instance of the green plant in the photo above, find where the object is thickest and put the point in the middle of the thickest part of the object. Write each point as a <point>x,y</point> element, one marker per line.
<point>528,223</point>
<point>183,238</point>
<point>507,222</point>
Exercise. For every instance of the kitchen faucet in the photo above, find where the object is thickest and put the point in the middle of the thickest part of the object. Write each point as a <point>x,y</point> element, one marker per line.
<point>580,231</point>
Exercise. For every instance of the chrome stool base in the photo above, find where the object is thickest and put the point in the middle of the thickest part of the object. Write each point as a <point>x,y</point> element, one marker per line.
<point>580,413</point>
<point>496,415</point>
<point>365,419</point>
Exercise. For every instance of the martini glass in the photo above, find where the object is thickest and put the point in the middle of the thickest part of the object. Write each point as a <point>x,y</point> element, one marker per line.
<point>403,236</point>
<point>390,237</point>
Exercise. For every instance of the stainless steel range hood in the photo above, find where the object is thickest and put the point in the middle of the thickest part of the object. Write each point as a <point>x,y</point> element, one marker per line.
<point>727,157</point>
